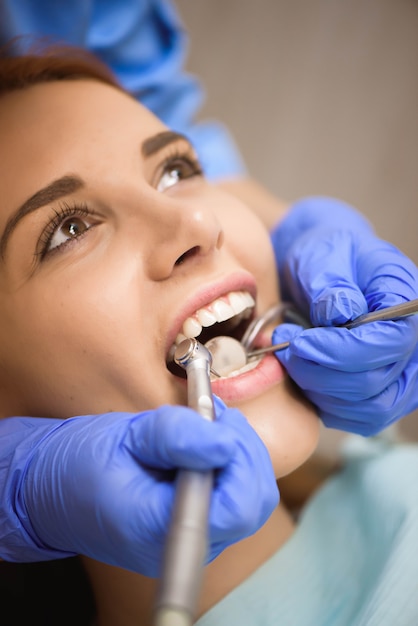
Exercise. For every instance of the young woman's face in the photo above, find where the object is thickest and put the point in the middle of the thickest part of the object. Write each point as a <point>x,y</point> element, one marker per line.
<point>112,245</point>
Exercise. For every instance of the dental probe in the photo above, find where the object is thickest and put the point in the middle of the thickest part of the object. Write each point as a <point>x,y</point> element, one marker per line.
<point>186,543</point>
<point>389,313</point>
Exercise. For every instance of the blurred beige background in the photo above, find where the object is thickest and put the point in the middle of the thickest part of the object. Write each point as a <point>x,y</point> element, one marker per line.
<point>322,98</point>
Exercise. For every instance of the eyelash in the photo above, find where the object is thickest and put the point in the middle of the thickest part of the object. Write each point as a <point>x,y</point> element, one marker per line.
<point>66,211</point>
<point>177,157</point>
<point>62,213</point>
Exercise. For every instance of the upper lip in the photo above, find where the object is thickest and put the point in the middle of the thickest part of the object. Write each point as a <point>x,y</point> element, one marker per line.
<point>239,281</point>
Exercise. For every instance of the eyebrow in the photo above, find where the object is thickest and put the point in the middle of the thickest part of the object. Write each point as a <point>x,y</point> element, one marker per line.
<point>57,189</point>
<point>158,142</point>
<point>68,184</point>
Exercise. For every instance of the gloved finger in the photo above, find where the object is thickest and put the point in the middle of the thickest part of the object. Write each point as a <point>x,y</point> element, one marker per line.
<point>339,275</point>
<point>311,213</point>
<point>349,387</point>
<point>135,512</point>
<point>385,275</point>
<point>321,275</point>
<point>245,492</point>
<point>368,417</point>
<point>176,436</point>
<point>348,397</point>
<point>370,346</point>
<point>244,495</point>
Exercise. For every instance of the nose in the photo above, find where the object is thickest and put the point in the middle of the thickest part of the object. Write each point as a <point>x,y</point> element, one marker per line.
<point>183,231</point>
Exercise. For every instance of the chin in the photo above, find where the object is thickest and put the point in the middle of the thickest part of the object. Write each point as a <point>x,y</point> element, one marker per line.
<point>287,423</point>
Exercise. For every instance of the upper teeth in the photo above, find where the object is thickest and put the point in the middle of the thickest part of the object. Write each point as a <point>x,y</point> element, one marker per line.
<point>219,310</point>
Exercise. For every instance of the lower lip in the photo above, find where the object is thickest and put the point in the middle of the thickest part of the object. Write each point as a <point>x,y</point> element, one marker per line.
<point>268,373</point>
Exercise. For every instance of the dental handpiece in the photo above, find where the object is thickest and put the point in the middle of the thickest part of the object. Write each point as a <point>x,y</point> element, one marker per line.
<point>186,543</point>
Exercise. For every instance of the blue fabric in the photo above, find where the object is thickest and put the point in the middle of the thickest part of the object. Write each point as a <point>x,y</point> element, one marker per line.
<point>353,560</point>
<point>145,44</point>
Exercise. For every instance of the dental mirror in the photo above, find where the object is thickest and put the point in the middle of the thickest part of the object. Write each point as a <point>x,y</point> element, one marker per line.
<point>230,355</point>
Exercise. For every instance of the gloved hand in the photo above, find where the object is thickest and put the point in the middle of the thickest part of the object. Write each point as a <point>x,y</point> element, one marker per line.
<point>334,268</point>
<point>103,485</point>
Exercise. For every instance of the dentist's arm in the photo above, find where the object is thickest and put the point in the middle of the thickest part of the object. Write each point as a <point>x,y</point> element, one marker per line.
<point>103,485</point>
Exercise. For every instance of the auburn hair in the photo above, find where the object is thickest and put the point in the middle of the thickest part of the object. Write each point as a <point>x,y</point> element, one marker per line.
<point>44,63</point>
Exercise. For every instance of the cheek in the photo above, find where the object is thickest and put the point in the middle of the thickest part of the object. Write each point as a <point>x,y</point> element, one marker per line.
<point>65,339</point>
<point>287,423</point>
<point>250,242</point>
<point>93,296</point>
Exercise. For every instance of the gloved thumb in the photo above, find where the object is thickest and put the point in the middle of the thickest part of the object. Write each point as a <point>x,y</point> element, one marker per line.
<point>176,436</point>
<point>321,276</point>
<point>286,332</point>
<point>337,304</point>
<point>220,406</point>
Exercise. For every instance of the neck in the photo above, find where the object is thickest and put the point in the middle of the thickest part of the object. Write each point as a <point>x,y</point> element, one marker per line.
<point>126,599</point>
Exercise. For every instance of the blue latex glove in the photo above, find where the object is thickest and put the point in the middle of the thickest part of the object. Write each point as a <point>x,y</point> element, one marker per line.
<point>334,268</point>
<point>103,485</point>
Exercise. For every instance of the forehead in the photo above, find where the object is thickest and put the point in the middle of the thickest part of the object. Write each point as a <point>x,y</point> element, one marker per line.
<point>69,98</point>
<point>65,107</point>
<point>56,127</point>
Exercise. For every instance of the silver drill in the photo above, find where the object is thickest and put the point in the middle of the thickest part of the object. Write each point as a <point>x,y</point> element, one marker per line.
<point>186,543</point>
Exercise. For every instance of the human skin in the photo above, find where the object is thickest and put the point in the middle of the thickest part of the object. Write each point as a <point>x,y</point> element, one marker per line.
<point>91,305</point>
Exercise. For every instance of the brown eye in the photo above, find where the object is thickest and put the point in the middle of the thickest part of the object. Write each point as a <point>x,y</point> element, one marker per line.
<point>176,170</point>
<point>67,225</point>
<point>71,228</point>
<point>74,227</point>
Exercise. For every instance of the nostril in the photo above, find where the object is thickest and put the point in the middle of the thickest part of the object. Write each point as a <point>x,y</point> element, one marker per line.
<point>220,241</point>
<point>190,253</point>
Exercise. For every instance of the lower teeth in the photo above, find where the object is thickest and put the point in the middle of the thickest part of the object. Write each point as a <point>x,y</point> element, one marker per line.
<point>246,368</point>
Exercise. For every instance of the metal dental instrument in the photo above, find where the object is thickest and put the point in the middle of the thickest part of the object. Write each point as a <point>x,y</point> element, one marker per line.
<point>186,544</point>
<point>394,312</point>
<point>230,355</point>
<point>284,309</point>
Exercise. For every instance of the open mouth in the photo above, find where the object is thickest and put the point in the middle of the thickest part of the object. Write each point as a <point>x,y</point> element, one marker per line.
<point>229,315</point>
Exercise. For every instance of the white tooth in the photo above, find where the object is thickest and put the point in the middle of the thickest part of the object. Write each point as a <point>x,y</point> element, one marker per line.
<point>238,301</point>
<point>222,310</point>
<point>249,299</point>
<point>205,317</point>
<point>191,327</point>
<point>248,367</point>
<point>238,318</point>
<point>180,337</point>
